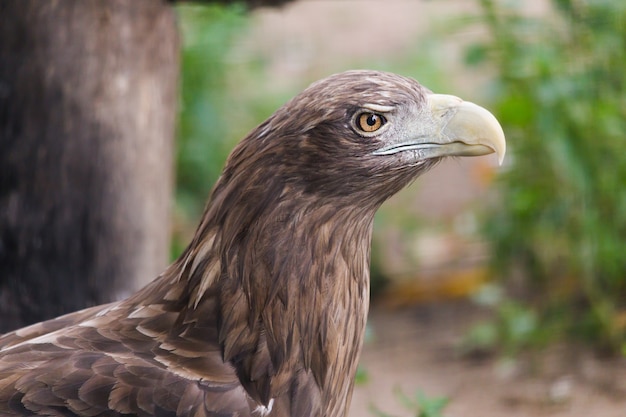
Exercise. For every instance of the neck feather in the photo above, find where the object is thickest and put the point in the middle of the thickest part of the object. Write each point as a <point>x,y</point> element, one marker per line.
<point>290,287</point>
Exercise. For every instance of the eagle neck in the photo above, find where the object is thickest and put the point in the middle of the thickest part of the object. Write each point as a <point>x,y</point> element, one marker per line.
<point>291,286</point>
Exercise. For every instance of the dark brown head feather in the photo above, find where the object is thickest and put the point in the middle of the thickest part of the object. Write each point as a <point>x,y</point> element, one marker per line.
<point>264,312</point>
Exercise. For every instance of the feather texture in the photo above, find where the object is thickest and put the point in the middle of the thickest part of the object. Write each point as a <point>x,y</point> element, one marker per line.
<point>264,312</point>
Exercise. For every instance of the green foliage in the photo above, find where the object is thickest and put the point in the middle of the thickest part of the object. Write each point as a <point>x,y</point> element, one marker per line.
<point>362,376</point>
<point>203,141</point>
<point>514,326</point>
<point>223,97</point>
<point>421,405</point>
<point>560,95</point>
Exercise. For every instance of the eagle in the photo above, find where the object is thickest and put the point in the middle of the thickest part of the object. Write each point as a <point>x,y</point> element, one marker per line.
<point>264,312</point>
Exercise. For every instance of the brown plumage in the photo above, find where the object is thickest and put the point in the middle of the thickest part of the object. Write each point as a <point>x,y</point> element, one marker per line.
<point>264,312</point>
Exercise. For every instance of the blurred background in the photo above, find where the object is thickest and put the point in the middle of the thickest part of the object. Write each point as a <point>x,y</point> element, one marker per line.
<point>495,290</point>
<point>499,289</point>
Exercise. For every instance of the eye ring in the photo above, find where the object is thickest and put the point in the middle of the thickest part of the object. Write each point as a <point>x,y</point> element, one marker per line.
<point>369,122</point>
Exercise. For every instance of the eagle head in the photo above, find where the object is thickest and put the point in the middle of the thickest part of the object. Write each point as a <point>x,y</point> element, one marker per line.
<point>358,137</point>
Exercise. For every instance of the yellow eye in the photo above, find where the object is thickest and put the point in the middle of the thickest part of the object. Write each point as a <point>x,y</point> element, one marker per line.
<point>370,122</point>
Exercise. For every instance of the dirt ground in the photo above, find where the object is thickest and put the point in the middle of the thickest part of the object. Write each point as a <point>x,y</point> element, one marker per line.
<point>416,349</point>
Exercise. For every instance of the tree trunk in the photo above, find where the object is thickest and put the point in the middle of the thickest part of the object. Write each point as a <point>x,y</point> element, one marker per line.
<point>88,94</point>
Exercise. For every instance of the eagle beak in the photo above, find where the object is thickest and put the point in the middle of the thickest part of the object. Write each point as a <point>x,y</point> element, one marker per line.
<point>452,127</point>
<point>466,129</point>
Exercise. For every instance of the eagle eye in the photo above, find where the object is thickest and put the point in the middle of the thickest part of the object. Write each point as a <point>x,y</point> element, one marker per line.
<point>369,122</point>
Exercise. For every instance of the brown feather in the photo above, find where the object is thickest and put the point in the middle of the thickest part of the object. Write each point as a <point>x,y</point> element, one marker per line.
<point>264,312</point>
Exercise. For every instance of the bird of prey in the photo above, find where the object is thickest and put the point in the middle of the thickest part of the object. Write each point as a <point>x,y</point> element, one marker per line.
<point>264,312</point>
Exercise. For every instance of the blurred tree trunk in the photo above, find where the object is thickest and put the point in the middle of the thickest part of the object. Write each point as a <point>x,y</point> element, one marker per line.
<point>88,93</point>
